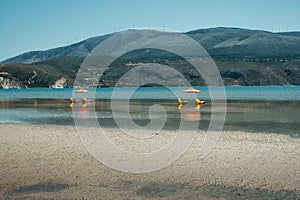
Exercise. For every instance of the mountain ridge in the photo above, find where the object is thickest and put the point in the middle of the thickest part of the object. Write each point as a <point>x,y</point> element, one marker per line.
<point>78,49</point>
<point>209,38</point>
<point>243,56</point>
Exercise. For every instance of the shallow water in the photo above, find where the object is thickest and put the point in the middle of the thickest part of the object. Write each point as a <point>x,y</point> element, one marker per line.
<point>242,115</point>
<point>268,109</point>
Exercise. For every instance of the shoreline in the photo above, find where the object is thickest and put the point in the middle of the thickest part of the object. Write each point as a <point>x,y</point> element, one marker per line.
<point>225,129</point>
<point>41,155</point>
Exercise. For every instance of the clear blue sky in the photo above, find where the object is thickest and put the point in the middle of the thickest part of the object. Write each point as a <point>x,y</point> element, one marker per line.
<point>28,25</point>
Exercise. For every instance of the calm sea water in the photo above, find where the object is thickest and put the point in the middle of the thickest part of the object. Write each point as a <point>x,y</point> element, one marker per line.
<point>232,93</point>
<point>270,109</point>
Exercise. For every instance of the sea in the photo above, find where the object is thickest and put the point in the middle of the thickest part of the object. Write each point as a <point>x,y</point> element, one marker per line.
<point>259,109</point>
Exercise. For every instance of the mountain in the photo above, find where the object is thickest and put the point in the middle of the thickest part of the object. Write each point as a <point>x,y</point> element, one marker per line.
<point>243,56</point>
<point>221,43</point>
<point>294,34</point>
<point>80,49</point>
<point>41,74</point>
<point>235,43</point>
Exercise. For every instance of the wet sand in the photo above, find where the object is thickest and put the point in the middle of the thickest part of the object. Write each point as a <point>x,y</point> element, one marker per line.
<point>49,162</point>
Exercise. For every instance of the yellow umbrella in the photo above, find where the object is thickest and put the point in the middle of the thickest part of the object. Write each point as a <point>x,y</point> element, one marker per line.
<point>81,90</point>
<point>191,90</point>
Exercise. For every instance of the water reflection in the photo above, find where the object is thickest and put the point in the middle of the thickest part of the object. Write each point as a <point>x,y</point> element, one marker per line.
<point>192,116</point>
<point>189,112</point>
<point>253,116</point>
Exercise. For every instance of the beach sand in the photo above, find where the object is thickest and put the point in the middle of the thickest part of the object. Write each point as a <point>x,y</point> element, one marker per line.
<point>49,162</point>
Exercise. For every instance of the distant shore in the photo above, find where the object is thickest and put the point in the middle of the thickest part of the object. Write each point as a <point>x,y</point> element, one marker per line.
<point>45,161</point>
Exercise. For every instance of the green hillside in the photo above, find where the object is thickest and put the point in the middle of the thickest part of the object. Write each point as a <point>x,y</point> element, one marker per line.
<point>244,57</point>
<point>232,72</point>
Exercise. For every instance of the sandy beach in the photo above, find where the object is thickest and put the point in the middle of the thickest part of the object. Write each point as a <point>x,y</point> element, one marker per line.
<point>49,162</point>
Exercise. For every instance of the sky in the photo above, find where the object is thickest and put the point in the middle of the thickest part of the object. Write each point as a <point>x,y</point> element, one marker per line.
<point>28,25</point>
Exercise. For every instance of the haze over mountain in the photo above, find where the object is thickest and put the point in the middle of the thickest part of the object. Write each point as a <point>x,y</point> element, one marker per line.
<point>243,56</point>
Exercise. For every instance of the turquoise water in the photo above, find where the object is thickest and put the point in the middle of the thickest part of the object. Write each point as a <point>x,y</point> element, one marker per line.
<point>270,109</point>
<point>232,93</point>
